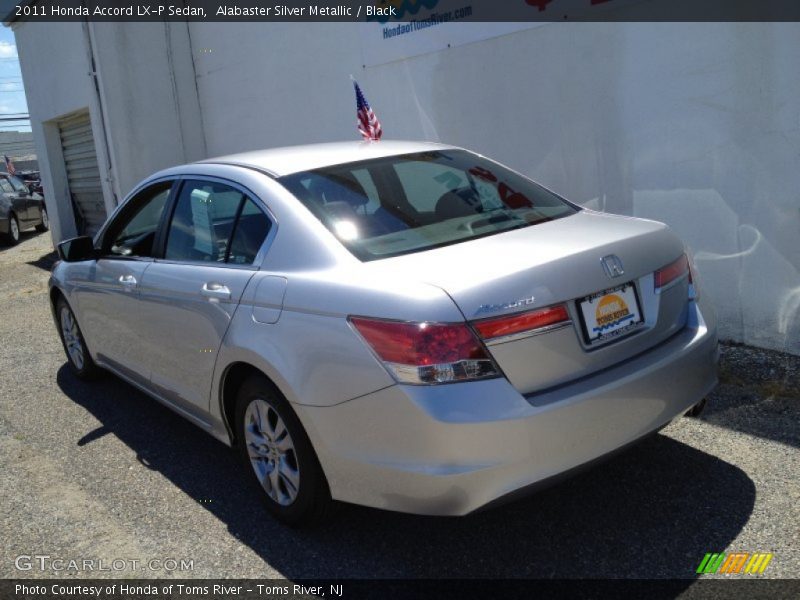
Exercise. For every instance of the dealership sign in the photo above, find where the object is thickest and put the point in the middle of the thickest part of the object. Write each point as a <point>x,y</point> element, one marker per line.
<point>422,26</point>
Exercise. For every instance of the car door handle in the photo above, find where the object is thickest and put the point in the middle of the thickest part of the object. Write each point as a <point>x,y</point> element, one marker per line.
<point>128,281</point>
<point>216,290</point>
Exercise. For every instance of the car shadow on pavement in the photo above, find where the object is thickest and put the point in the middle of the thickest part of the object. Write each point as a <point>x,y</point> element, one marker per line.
<point>46,261</point>
<point>23,236</point>
<point>651,512</point>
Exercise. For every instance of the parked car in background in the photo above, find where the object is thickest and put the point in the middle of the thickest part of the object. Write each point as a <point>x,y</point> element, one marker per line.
<point>19,209</point>
<point>403,325</point>
<point>33,180</point>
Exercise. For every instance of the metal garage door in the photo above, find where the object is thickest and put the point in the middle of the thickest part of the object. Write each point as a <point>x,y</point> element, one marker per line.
<point>83,175</point>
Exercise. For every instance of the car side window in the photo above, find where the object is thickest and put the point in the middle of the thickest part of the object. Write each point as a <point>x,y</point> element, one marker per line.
<point>135,232</point>
<point>5,186</point>
<point>203,222</point>
<point>249,234</point>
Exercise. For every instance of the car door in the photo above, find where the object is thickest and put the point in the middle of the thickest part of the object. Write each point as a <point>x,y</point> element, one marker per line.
<point>210,253</point>
<point>29,210</point>
<point>18,203</point>
<point>108,300</point>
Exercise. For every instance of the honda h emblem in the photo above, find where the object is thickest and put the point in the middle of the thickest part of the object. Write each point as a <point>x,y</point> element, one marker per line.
<point>612,265</point>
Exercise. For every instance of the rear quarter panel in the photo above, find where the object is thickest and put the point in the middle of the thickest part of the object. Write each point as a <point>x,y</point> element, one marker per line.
<point>311,352</point>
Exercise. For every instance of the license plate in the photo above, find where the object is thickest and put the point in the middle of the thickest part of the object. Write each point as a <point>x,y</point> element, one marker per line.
<point>610,314</point>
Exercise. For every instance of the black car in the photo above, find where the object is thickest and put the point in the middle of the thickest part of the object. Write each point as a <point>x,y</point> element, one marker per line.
<point>19,209</point>
<point>32,179</point>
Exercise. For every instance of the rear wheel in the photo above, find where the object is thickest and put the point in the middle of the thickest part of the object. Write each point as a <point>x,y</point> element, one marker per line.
<point>45,224</point>
<point>12,237</point>
<point>80,362</point>
<point>277,453</point>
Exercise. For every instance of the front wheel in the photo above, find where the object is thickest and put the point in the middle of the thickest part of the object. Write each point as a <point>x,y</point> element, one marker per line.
<point>12,237</point>
<point>80,362</point>
<point>277,453</point>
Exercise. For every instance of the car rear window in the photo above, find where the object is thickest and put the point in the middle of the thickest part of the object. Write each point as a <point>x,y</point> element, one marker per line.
<point>414,202</point>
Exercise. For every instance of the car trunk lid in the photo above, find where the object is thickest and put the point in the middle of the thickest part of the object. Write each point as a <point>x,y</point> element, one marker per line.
<point>553,263</point>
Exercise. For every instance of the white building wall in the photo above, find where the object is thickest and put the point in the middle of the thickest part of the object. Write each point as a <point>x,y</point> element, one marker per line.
<point>697,125</point>
<point>17,144</point>
<point>55,71</point>
<point>145,100</point>
<point>149,98</point>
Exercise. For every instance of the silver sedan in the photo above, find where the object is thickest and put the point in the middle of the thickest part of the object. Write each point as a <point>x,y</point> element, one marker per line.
<point>403,325</point>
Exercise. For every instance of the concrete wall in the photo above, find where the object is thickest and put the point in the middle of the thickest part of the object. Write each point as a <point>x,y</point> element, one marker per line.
<point>149,98</point>
<point>144,109</point>
<point>697,125</point>
<point>54,88</point>
<point>18,145</point>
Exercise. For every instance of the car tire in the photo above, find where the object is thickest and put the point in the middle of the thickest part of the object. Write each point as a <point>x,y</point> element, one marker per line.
<point>78,356</point>
<point>45,224</point>
<point>12,237</point>
<point>279,457</point>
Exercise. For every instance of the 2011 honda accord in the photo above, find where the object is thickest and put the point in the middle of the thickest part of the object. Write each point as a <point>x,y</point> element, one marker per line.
<point>402,325</point>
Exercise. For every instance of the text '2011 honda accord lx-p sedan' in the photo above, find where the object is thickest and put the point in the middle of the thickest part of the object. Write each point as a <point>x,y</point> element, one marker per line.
<point>402,325</point>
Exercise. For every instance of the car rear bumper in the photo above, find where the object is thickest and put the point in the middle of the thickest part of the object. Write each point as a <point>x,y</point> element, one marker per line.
<point>451,449</point>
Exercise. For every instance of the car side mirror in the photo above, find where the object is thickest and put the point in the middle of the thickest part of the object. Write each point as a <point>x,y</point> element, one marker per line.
<point>77,249</point>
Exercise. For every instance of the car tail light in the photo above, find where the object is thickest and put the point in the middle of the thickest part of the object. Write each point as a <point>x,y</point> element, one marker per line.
<point>672,272</point>
<point>427,353</point>
<point>522,322</point>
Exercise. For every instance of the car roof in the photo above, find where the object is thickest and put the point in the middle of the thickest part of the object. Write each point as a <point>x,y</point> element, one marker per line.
<point>293,159</point>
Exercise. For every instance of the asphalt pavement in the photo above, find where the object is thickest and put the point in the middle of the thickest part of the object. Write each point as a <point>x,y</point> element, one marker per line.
<point>98,471</point>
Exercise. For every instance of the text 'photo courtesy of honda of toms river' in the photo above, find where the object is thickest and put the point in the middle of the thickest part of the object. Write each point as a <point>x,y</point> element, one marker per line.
<point>403,325</point>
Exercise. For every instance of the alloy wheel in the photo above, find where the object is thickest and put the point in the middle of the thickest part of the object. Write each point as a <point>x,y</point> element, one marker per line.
<point>14,229</point>
<point>72,338</point>
<point>272,452</point>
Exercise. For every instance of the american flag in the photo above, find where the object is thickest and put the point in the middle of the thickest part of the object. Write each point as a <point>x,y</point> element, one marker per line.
<point>368,123</point>
<point>9,165</point>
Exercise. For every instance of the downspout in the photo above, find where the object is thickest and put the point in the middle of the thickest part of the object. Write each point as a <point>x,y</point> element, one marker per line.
<point>99,99</point>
